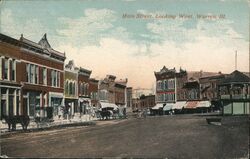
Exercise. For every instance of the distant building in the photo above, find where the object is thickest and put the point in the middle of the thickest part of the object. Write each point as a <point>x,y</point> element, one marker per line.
<point>169,85</point>
<point>209,87</point>
<point>137,92</point>
<point>112,93</point>
<point>120,95</point>
<point>144,102</point>
<point>169,89</point>
<point>234,93</point>
<point>192,90</point>
<point>129,91</point>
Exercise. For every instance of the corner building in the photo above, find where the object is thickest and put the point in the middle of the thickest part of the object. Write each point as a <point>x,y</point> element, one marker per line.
<point>38,69</point>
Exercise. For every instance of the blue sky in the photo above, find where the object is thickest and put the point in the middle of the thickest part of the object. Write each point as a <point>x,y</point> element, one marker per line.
<point>97,37</point>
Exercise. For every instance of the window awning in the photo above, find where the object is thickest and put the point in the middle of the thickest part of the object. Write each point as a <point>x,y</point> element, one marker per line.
<point>179,105</point>
<point>168,106</point>
<point>191,104</point>
<point>204,104</point>
<point>108,105</point>
<point>158,106</point>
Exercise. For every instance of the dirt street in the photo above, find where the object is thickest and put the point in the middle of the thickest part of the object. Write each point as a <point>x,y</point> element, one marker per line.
<point>183,136</point>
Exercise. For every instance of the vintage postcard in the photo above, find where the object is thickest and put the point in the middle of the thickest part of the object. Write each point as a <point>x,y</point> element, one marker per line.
<point>124,78</point>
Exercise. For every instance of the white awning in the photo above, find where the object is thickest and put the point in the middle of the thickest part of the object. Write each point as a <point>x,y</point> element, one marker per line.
<point>158,106</point>
<point>55,95</point>
<point>204,104</point>
<point>84,99</point>
<point>168,106</point>
<point>108,105</point>
<point>179,105</point>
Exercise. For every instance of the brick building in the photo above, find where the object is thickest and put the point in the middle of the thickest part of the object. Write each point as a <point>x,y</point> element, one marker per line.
<point>209,87</point>
<point>93,89</point>
<point>71,88</point>
<point>112,93</point>
<point>143,103</point>
<point>192,89</point>
<point>39,70</point>
<point>129,92</point>
<point>169,85</point>
<point>10,83</point>
<point>83,90</point>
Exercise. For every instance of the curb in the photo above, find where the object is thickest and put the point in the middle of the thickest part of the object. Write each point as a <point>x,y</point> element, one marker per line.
<point>85,123</point>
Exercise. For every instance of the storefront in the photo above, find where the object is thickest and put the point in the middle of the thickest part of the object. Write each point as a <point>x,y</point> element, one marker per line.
<point>32,103</point>
<point>10,98</point>
<point>57,103</point>
<point>84,106</point>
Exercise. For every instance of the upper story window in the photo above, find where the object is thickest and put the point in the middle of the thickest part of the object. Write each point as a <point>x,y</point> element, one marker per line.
<point>27,72</point>
<point>103,95</point>
<point>70,88</point>
<point>55,78</point>
<point>32,73</point>
<point>13,70</point>
<point>80,88</point>
<point>36,74</point>
<point>74,89</point>
<point>159,85</point>
<point>166,84</point>
<point>66,88</point>
<point>58,79</point>
<point>6,69</point>
<point>93,95</point>
<point>44,75</point>
<point>171,84</point>
<point>86,87</point>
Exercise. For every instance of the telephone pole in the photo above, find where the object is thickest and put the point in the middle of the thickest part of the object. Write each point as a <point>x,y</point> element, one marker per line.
<point>236,60</point>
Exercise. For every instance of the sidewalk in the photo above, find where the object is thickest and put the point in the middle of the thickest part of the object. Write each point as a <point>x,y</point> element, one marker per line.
<point>84,120</point>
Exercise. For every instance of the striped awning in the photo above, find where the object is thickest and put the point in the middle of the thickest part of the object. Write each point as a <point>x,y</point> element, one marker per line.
<point>179,105</point>
<point>108,105</point>
<point>191,105</point>
<point>203,104</point>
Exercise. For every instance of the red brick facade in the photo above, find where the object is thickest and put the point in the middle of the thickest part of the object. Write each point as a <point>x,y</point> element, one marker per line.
<point>38,88</point>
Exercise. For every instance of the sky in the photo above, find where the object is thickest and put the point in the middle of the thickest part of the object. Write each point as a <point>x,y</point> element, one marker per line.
<point>133,38</point>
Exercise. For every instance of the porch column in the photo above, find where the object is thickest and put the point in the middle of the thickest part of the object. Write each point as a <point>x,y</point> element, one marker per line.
<point>0,97</point>
<point>28,103</point>
<point>1,65</point>
<point>20,108</point>
<point>7,102</point>
<point>15,104</point>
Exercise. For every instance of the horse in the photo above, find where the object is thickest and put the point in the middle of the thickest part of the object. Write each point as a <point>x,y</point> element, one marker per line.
<point>24,120</point>
<point>105,114</point>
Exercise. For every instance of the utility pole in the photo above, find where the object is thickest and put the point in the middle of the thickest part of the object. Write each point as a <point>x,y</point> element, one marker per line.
<point>236,60</point>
